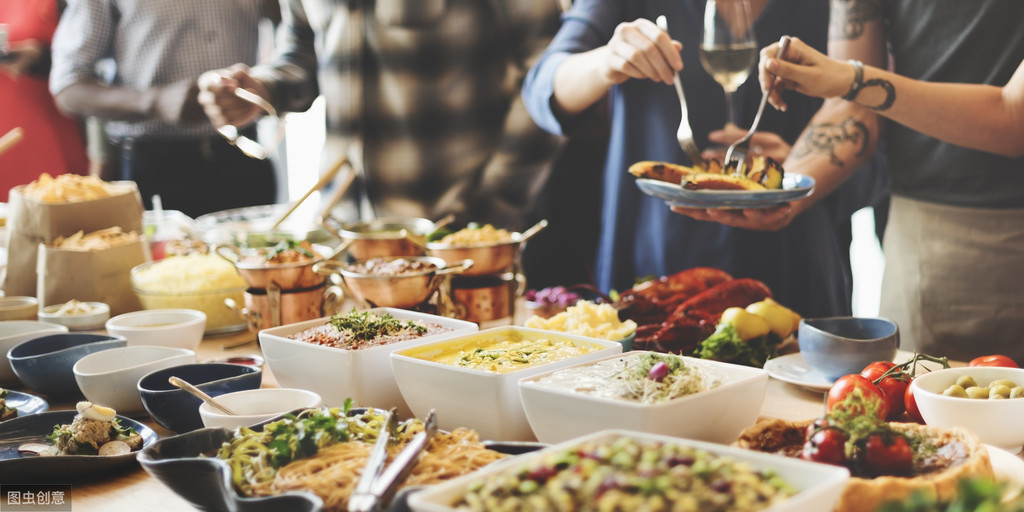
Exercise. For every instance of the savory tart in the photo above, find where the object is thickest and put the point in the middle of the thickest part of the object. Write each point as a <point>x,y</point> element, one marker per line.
<point>942,457</point>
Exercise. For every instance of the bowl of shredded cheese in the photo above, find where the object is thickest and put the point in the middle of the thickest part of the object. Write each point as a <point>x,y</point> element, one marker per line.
<point>76,315</point>
<point>195,281</point>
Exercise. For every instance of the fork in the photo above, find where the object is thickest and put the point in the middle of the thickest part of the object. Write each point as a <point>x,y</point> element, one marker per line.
<point>684,134</point>
<point>738,150</point>
<point>245,144</point>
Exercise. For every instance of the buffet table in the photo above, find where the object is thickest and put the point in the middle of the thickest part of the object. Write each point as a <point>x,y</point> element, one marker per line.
<point>137,490</point>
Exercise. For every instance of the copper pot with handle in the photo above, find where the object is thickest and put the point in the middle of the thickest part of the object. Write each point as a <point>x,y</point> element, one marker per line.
<point>259,273</point>
<point>402,290</point>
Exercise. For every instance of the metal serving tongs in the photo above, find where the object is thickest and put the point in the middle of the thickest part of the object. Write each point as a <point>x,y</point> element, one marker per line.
<point>377,486</point>
<point>738,150</point>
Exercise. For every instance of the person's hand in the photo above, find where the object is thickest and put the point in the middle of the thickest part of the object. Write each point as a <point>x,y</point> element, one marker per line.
<point>761,144</point>
<point>639,49</point>
<point>804,70</point>
<point>758,219</point>
<point>217,96</point>
<point>21,55</point>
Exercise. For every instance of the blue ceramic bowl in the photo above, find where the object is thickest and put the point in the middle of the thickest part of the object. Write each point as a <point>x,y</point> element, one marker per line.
<point>176,409</point>
<point>45,364</point>
<point>841,345</point>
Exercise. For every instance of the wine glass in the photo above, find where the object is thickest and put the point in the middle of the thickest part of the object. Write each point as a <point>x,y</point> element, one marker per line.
<point>728,49</point>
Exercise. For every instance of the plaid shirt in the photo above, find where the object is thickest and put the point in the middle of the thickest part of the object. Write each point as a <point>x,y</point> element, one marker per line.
<point>428,106</point>
<point>154,43</point>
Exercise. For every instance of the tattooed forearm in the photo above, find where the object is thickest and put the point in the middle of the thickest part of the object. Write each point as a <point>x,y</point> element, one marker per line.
<point>826,138</point>
<point>848,18</point>
<point>890,93</point>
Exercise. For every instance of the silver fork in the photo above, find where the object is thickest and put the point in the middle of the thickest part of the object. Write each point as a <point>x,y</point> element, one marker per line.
<point>245,144</point>
<point>738,150</point>
<point>684,134</point>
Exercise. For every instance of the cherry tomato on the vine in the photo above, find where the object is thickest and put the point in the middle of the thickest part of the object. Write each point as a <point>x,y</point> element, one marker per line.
<point>994,360</point>
<point>887,454</point>
<point>847,384</point>
<point>895,388</point>
<point>911,405</point>
<point>875,370</point>
<point>826,445</point>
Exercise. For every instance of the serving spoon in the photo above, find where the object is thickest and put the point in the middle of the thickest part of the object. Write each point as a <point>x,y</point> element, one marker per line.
<point>200,394</point>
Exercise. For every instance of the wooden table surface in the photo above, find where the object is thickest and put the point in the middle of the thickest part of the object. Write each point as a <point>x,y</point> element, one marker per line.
<point>136,490</point>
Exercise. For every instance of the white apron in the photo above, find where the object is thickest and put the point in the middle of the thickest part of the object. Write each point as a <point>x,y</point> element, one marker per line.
<point>954,279</point>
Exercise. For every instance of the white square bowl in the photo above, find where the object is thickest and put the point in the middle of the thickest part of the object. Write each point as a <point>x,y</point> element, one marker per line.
<point>485,401</point>
<point>717,415</point>
<point>817,486</point>
<point>364,375</point>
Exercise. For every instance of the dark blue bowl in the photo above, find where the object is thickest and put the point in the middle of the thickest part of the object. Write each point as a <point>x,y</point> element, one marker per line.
<point>178,410</point>
<point>45,364</point>
<point>837,346</point>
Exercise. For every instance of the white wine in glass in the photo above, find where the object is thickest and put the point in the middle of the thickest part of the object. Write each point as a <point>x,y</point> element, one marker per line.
<point>728,49</point>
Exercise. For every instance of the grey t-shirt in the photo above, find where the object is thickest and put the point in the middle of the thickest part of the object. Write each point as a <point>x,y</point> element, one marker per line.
<point>977,41</point>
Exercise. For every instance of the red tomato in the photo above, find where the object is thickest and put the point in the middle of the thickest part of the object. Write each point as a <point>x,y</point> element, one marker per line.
<point>887,454</point>
<point>847,383</point>
<point>911,405</point>
<point>993,360</point>
<point>895,388</point>
<point>826,445</point>
<point>875,370</point>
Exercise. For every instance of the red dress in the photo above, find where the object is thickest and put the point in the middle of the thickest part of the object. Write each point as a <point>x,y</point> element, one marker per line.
<point>50,142</point>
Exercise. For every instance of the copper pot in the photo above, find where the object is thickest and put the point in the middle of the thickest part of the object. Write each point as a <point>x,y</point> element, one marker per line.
<point>396,291</point>
<point>272,307</point>
<point>287,276</point>
<point>486,298</point>
<point>386,237</point>
<point>488,258</point>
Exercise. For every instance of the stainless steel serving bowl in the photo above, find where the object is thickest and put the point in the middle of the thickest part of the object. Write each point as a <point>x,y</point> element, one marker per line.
<point>396,291</point>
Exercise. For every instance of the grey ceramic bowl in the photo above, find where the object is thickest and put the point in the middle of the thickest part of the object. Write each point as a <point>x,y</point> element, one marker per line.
<point>176,409</point>
<point>841,345</point>
<point>45,364</point>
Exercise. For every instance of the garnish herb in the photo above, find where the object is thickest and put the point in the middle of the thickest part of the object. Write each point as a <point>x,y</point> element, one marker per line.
<point>366,325</point>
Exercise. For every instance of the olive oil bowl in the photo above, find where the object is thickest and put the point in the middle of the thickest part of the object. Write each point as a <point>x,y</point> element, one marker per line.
<point>471,380</point>
<point>334,373</point>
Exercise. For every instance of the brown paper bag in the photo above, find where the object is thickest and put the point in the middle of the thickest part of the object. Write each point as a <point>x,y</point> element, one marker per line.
<point>99,276</point>
<point>30,222</point>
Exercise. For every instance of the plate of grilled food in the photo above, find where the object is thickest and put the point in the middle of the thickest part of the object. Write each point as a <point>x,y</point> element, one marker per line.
<point>761,184</point>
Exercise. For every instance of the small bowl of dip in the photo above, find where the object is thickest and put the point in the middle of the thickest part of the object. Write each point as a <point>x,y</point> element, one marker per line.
<point>77,315</point>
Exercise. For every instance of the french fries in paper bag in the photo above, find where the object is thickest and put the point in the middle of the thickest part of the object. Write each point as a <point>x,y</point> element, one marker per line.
<point>95,274</point>
<point>33,219</point>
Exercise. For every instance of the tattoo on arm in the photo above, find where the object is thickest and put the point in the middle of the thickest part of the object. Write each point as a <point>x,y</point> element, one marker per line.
<point>890,93</point>
<point>825,138</point>
<point>848,18</point>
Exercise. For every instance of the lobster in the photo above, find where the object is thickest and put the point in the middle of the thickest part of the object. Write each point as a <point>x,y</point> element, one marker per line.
<point>695,319</point>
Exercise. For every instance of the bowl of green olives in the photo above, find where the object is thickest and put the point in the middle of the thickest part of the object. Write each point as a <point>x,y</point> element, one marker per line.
<point>988,401</point>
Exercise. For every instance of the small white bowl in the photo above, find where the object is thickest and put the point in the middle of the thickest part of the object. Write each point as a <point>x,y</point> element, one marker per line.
<point>14,332</point>
<point>363,375</point>
<point>181,328</point>
<point>94,319</point>
<point>111,377</point>
<point>817,486</point>
<point>717,415</point>
<point>18,308</point>
<point>485,401</point>
<point>256,405</point>
<point>996,422</point>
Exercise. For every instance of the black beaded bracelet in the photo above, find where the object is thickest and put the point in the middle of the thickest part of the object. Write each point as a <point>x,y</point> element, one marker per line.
<point>858,80</point>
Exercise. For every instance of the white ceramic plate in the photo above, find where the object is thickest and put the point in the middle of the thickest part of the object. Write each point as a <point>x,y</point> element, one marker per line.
<point>794,186</point>
<point>793,369</point>
<point>1007,467</point>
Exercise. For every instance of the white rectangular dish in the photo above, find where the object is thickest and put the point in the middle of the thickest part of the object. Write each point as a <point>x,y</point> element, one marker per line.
<point>717,414</point>
<point>816,486</point>
<point>485,401</point>
<point>364,375</point>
